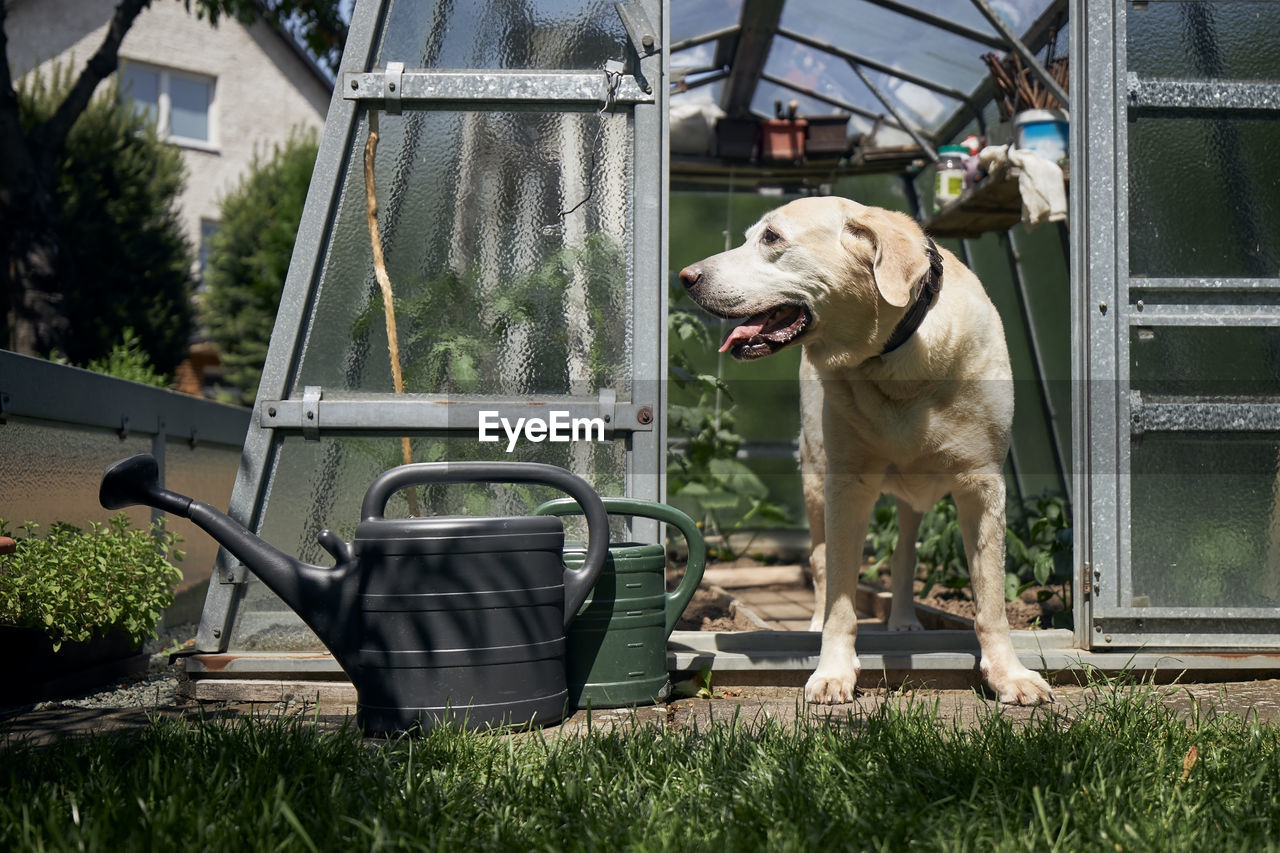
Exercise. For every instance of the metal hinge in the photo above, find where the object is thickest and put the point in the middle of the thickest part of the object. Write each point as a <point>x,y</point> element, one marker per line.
<point>643,34</point>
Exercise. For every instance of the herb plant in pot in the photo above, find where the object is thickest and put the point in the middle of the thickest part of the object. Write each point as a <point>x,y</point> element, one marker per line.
<point>74,601</point>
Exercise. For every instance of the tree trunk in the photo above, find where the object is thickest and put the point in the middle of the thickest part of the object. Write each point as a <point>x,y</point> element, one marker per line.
<point>33,273</point>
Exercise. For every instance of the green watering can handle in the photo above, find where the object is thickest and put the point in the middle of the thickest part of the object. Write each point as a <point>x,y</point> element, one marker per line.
<point>678,598</point>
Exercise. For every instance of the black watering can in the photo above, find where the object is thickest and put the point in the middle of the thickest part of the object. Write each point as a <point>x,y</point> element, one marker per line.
<point>449,619</point>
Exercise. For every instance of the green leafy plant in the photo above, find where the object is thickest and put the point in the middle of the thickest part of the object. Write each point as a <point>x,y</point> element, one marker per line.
<point>454,331</point>
<point>942,548</point>
<point>704,476</point>
<point>124,260</point>
<point>1037,547</point>
<point>1038,551</point>
<point>128,360</point>
<point>457,336</point>
<point>73,584</point>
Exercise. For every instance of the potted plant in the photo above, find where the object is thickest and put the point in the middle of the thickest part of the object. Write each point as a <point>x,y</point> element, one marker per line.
<point>74,601</point>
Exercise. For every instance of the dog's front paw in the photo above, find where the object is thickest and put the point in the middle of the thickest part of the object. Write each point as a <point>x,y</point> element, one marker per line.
<point>1019,686</point>
<point>835,689</point>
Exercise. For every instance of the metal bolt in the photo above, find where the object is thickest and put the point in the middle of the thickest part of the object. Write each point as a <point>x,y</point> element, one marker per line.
<point>1097,628</point>
<point>217,632</point>
<point>311,416</point>
<point>355,85</point>
<point>645,416</point>
<point>1102,306</point>
<point>391,87</point>
<point>647,41</point>
<point>1107,638</point>
<point>271,412</point>
<point>1140,305</point>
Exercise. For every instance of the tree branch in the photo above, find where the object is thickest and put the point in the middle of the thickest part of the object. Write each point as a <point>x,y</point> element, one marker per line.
<point>15,162</point>
<point>53,133</point>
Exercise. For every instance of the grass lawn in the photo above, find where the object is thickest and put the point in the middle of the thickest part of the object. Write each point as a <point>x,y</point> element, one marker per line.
<point>1121,772</point>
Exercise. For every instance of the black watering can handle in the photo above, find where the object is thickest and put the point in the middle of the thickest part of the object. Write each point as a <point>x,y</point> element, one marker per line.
<point>677,599</point>
<point>577,584</point>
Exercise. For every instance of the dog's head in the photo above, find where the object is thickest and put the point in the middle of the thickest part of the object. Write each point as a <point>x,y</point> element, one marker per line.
<point>830,273</point>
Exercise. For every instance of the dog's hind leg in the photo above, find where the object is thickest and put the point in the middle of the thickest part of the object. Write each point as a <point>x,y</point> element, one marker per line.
<point>902,609</point>
<point>980,507</point>
<point>813,471</point>
<point>812,463</point>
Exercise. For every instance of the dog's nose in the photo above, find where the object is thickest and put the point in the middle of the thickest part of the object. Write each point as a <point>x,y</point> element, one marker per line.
<point>690,275</point>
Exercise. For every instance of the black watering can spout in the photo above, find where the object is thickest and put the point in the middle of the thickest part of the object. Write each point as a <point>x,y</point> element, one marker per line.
<point>314,592</point>
<point>136,480</point>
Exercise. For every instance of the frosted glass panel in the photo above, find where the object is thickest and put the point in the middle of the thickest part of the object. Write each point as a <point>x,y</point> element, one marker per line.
<point>1204,197</point>
<point>503,34</point>
<point>1219,40</point>
<point>321,484</point>
<point>506,242</point>
<point>1205,361</point>
<point>1206,521</point>
<point>51,473</point>
<point>207,473</point>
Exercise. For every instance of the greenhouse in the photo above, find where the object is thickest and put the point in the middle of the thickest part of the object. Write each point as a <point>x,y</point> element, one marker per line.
<point>488,270</point>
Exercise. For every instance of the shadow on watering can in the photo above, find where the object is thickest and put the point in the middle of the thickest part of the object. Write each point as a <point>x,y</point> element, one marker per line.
<point>618,642</point>
<point>457,620</point>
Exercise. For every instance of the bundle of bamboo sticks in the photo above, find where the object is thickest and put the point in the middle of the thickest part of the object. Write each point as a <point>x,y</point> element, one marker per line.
<point>1018,89</point>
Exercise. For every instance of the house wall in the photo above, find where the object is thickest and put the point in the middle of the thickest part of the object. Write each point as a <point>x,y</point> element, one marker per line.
<point>263,89</point>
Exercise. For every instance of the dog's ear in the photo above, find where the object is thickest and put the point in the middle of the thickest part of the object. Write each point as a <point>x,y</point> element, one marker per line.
<point>900,259</point>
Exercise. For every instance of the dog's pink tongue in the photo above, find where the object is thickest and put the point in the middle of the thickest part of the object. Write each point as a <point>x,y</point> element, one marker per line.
<point>745,332</point>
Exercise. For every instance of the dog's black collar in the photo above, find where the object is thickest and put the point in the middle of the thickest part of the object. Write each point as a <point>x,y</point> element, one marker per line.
<point>929,287</point>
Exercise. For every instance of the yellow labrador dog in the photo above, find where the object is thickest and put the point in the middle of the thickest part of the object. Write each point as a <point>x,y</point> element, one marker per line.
<point>906,389</point>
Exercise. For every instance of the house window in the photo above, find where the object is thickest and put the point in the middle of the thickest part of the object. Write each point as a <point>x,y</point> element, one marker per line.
<point>179,103</point>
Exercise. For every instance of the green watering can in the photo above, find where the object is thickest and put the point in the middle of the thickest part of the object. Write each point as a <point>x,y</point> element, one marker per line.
<point>617,644</point>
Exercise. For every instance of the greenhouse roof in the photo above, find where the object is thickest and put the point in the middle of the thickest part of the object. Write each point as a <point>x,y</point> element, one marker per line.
<point>908,76</point>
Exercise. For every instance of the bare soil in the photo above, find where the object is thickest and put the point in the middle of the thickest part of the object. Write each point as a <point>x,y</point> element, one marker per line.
<point>1027,611</point>
<point>707,611</point>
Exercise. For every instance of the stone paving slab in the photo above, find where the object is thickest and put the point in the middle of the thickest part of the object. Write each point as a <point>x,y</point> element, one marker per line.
<point>1259,700</point>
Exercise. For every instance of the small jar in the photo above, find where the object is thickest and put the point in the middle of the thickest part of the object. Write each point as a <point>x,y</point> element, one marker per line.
<point>949,177</point>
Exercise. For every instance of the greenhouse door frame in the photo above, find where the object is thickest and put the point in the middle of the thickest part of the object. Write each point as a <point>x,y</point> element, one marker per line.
<point>280,412</point>
<point>1107,302</point>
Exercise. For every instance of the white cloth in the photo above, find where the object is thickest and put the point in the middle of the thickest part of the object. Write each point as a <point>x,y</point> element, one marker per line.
<point>1040,183</point>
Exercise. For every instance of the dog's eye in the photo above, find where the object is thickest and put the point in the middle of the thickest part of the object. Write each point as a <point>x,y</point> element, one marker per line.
<point>769,237</point>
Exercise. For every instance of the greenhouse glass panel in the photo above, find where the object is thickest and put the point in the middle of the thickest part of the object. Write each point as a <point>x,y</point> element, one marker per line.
<point>1205,361</point>
<point>504,235</point>
<point>521,235</point>
<point>1233,40</point>
<point>491,34</point>
<point>880,34</point>
<point>1204,196</point>
<point>809,68</point>
<point>692,18</point>
<point>1224,553</point>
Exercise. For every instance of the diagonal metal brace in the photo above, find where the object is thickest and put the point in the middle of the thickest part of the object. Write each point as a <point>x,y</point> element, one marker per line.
<point>643,34</point>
